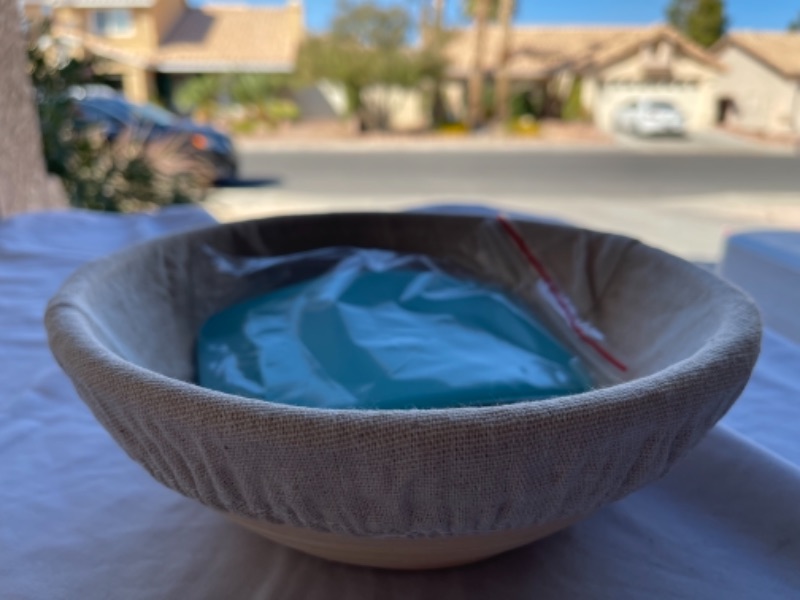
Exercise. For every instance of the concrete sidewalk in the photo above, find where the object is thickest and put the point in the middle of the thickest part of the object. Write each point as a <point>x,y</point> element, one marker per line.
<point>421,144</point>
<point>692,227</point>
<point>713,141</point>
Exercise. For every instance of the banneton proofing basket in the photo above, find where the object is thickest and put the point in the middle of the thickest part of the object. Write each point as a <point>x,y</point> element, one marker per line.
<point>405,489</point>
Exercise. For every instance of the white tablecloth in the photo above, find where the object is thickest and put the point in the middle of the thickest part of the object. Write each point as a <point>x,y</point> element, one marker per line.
<point>79,519</point>
<point>766,264</point>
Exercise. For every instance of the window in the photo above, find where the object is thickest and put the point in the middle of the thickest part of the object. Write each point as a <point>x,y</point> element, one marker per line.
<point>112,23</point>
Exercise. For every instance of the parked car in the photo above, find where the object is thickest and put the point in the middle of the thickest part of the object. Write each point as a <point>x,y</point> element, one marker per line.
<point>650,118</point>
<point>114,114</point>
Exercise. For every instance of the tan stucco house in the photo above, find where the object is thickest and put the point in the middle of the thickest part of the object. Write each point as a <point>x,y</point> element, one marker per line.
<point>759,91</point>
<point>615,64</point>
<point>148,43</point>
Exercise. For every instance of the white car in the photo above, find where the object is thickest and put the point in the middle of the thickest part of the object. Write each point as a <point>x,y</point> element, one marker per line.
<point>650,118</point>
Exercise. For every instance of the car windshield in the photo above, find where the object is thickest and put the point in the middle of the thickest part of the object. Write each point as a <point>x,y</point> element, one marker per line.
<point>153,114</point>
<point>101,109</point>
<point>661,106</point>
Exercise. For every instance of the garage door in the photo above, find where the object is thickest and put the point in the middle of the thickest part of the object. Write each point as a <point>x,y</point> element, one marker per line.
<point>686,97</point>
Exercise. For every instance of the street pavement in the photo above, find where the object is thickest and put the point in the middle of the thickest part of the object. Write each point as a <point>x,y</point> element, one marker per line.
<point>711,141</point>
<point>686,203</point>
<point>564,173</point>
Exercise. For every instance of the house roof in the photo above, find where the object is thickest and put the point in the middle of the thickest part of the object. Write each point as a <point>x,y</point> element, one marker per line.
<point>540,51</point>
<point>777,49</point>
<point>624,45</point>
<point>242,38</point>
<point>92,3</point>
<point>535,51</point>
<point>215,39</point>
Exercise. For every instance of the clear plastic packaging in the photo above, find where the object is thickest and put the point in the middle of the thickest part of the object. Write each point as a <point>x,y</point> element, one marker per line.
<point>507,251</point>
<point>367,328</point>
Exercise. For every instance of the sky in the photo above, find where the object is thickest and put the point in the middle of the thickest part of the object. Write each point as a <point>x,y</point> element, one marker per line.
<point>744,14</point>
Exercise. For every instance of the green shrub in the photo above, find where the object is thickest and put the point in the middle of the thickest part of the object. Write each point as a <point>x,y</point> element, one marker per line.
<point>244,126</point>
<point>573,109</point>
<point>264,97</point>
<point>198,94</point>
<point>521,105</point>
<point>253,88</point>
<point>279,111</point>
<point>525,125</point>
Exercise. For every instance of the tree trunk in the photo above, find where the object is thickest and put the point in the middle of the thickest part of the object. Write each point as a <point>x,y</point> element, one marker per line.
<point>24,184</point>
<point>476,76</point>
<point>424,21</point>
<point>439,113</point>
<point>501,90</point>
<point>438,15</point>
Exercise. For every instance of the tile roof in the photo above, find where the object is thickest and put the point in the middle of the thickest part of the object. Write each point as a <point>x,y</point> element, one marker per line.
<point>624,45</point>
<point>778,49</point>
<point>214,39</point>
<point>92,3</point>
<point>540,51</point>
<point>242,38</point>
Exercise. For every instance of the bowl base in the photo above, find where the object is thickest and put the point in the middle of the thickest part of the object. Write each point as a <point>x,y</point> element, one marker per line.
<point>401,553</point>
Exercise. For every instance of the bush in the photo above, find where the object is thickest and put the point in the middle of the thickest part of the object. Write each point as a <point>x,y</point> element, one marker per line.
<point>198,94</point>
<point>125,175</point>
<point>526,125</point>
<point>244,126</point>
<point>453,129</point>
<point>573,109</point>
<point>261,98</point>
<point>129,174</point>
<point>254,88</point>
<point>366,49</point>
<point>521,105</point>
<point>279,111</point>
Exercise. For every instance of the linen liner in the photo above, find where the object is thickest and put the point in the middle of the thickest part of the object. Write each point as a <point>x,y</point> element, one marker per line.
<point>123,328</point>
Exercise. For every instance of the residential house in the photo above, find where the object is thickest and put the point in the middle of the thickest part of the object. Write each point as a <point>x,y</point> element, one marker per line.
<point>150,43</point>
<point>759,91</point>
<point>616,65</point>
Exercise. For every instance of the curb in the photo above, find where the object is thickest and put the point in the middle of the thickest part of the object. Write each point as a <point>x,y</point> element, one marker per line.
<point>402,145</point>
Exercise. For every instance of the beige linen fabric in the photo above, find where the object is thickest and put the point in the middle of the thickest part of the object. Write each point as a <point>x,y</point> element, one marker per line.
<point>123,329</point>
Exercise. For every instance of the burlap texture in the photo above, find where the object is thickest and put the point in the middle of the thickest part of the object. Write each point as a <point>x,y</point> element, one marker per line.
<point>123,329</point>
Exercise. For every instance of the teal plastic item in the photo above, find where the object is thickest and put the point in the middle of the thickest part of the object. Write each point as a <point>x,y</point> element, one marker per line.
<point>367,336</point>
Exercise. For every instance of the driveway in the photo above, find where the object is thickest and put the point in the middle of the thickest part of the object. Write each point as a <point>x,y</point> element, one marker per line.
<point>710,141</point>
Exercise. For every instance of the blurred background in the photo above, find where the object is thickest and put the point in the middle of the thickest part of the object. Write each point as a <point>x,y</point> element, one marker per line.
<point>673,121</point>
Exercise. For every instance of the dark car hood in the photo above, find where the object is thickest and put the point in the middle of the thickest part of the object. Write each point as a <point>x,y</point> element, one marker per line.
<point>219,141</point>
<point>190,127</point>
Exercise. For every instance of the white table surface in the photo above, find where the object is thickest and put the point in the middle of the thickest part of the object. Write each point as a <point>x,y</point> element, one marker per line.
<point>766,264</point>
<point>79,519</point>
